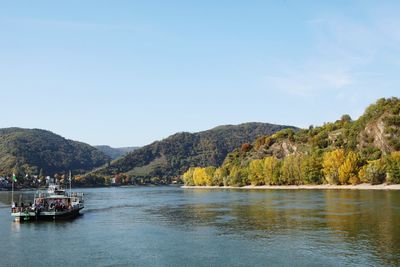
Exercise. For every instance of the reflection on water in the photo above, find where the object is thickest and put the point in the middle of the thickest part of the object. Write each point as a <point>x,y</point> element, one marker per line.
<point>173,226</point>
<point>363,220</point>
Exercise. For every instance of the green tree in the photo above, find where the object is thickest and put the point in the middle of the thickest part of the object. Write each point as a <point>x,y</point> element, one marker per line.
<point>311,169</point>
<point>237,176</point>
<point>187,177</point>
<point>18,170</point>
<point>42,177</point>
<point>393,168</point>
<point>374,172</point>
<point>346,118</point>
<point>291,170</point>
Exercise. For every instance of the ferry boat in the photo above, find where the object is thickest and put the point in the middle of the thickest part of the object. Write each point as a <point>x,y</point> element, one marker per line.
<point>52,204</point>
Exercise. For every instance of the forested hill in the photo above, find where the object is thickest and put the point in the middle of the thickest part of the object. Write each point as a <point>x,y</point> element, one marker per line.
<point>174,155</point>
<point>366,150</point>
<point>27,151</point>
<point>115,152</point>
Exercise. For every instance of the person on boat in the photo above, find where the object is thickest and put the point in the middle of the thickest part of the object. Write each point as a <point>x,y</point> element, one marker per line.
<point>13,209</point>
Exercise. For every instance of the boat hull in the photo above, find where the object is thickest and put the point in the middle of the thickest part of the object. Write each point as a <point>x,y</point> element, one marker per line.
<point>58,215</point>
<point>46,215</point>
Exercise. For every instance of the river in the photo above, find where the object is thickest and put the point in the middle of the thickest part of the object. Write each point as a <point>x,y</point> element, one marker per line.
<point>171,226</point>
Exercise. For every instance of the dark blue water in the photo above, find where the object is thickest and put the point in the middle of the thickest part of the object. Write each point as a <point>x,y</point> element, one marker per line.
<point>170,226</point>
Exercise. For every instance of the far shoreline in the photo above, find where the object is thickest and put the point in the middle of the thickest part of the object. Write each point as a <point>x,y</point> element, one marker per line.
<point>303,187</point>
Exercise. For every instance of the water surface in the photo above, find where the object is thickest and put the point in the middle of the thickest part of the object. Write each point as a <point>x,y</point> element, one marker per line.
<point>170,226</point>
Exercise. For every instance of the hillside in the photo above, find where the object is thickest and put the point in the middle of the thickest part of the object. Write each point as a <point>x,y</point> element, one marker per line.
<point>115,152</point>
<point>168,158</point>
<point>343,152</point>
<point>27,151</point>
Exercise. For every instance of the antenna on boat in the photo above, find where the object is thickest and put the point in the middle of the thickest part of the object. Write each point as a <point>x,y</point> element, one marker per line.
<point>13,179</point>
<point>70,181</point>
<point>12,193</point>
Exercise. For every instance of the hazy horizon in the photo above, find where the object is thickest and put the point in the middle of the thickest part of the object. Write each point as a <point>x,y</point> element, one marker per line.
<point>129,73</point>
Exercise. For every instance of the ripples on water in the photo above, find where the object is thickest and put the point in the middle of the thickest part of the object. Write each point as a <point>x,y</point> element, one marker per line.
<point>169,226</point>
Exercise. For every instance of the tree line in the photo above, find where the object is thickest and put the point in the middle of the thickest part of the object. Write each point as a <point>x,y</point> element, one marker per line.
<point>334,167</point>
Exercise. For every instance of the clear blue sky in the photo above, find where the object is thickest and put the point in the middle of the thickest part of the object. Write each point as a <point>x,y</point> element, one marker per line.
<point>130,72</point>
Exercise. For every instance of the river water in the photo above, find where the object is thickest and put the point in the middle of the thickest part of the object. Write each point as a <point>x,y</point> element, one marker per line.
<point>170,226</point>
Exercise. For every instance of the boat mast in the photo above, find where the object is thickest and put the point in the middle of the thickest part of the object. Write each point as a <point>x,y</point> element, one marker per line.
<point>13,179</point>
<point>70,193</point>
<point>12,193</point>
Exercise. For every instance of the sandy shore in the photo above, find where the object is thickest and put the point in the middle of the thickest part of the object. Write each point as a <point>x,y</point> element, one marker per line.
<point>324,186</point>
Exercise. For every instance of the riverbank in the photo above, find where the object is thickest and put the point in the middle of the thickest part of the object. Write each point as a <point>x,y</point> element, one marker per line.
<point>296,187</point>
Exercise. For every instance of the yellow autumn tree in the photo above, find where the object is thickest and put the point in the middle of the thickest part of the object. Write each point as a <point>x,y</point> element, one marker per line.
<point>79,179</point>
<point>218,177</point>
<point>187,177</point>
<point>331,163</point>
<point>209,174</point>
<point>256,176</point>
<point>349,169</point>
<point>199,176</point>
<point>271,169</point>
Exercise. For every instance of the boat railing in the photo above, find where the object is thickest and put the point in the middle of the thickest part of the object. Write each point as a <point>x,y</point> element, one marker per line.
<point>75,194</point>
<point>21,209</point>
<point>44,194</point>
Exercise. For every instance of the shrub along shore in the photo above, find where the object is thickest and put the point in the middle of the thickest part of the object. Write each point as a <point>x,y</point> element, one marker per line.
<point>304,187</point>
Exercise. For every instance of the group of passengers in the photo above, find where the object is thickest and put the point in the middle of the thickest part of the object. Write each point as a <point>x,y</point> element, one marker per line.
<point>22,208</point>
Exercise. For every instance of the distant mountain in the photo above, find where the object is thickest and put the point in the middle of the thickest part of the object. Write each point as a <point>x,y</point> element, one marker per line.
<point>174,155</point>
<point>115,152</point>
<point>27,151</point>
